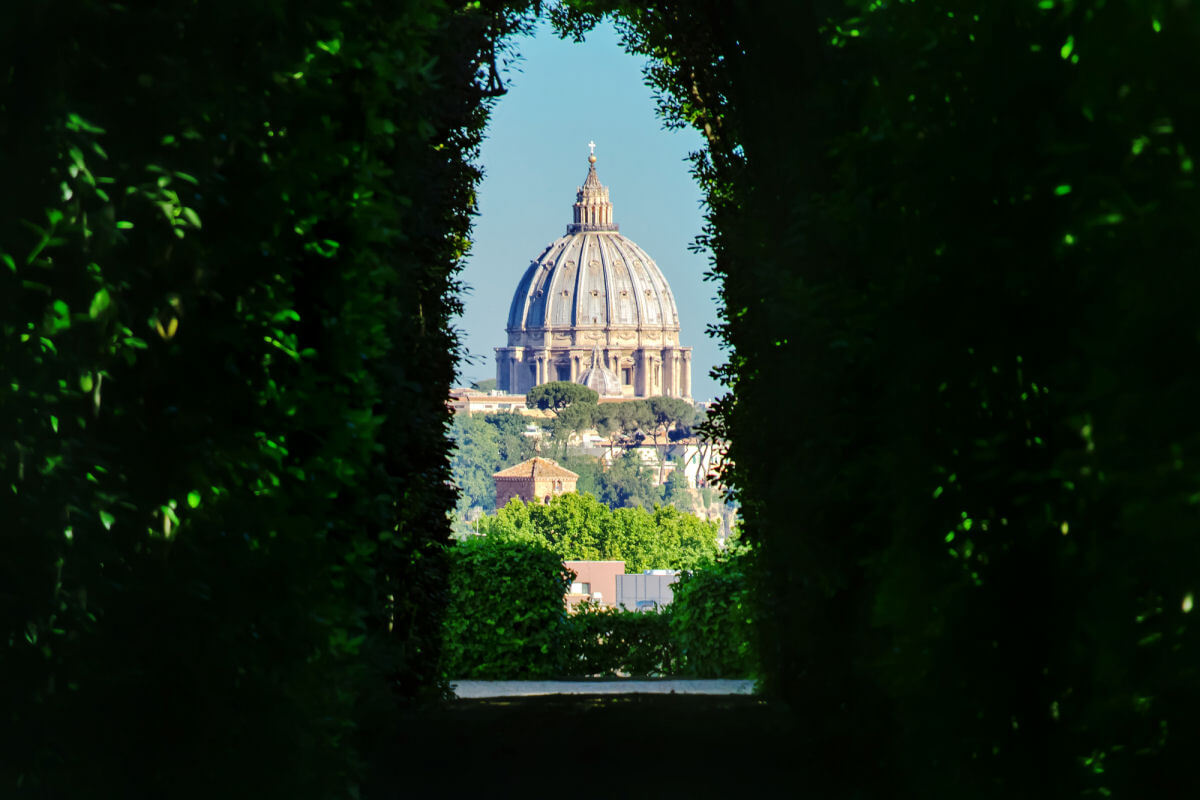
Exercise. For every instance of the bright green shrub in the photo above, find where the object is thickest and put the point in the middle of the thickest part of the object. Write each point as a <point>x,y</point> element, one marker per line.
<point>506,617</point>
<point>578,526</point>
<point>712,621</point>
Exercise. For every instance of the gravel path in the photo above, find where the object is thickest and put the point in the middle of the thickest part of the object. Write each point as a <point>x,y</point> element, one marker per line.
<point>473,689</point>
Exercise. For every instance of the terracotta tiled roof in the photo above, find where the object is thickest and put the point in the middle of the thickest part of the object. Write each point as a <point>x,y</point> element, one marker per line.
<point>536,468</point>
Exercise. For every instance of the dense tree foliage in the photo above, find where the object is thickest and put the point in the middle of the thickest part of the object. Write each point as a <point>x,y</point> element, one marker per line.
<point>629,483</point>
<point>557,395</point>
<point>228,243</point>
<point>676,492</point>
<point>958,238</point>
<point>580,527</point>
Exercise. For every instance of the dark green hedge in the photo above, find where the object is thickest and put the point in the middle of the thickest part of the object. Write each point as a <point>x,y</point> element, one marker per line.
<point>607,641</point>
<point>957,239</point>
<point>228,242</point>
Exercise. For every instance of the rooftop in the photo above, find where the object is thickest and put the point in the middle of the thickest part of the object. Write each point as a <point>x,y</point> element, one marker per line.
<point>536,468</point>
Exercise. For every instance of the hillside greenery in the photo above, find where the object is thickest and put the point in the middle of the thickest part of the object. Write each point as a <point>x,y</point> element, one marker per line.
<point>484,444</point>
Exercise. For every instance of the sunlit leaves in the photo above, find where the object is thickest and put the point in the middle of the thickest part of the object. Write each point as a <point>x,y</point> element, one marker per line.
<point>101,302</point>
<point>170,186</point>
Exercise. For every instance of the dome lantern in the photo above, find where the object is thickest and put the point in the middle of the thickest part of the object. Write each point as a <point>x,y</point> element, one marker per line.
<point>592,209</point>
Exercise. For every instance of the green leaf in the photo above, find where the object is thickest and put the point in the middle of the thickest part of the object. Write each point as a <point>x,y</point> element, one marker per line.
<point>60,317</point>
<point>107,520</point>
<point>193,499</point>
<point>101,301</point>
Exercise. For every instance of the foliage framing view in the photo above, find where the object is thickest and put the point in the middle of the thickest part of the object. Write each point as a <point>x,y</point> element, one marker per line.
<point>227,263</point>
<point>956,238</point>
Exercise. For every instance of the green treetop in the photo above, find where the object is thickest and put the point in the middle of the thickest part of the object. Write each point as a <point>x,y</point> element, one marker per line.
<point>578,526</point>
<point>557,395</point>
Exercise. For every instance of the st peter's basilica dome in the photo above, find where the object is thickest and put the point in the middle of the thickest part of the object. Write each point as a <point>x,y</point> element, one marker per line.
<point>594,289</point>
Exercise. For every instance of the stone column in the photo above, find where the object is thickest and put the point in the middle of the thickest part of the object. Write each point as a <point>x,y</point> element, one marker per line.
<point>687,375</point>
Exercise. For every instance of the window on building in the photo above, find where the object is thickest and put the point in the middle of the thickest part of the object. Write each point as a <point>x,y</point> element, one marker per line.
<point>581,588</point>
<point>627,376</point>
<point>564,372</point>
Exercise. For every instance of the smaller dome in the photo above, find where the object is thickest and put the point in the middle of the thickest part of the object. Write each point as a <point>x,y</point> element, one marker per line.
<point>600,380</point>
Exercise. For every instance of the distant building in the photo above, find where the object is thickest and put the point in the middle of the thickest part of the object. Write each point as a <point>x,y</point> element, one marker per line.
<point>474,401</point>
<point>535,480</point>
<point>595,581</point>
<point>649,591</point>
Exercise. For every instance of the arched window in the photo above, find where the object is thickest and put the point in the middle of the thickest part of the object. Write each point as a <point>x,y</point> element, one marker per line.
<point>546,499</point>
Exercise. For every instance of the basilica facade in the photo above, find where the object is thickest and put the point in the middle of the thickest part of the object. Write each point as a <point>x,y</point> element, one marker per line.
<point>594,308</point>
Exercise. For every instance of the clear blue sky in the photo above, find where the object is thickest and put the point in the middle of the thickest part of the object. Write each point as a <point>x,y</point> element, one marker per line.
<point>535,156</point>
